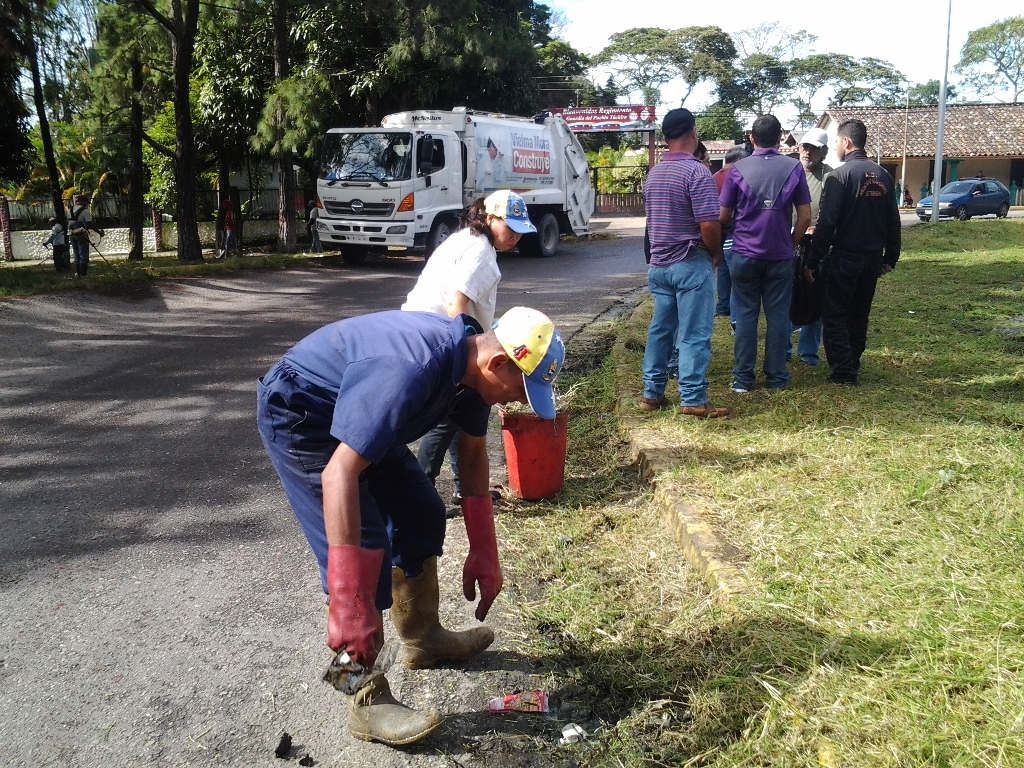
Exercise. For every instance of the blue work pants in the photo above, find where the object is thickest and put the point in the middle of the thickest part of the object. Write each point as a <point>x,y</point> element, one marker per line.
<point>400,511</point>
<point>432,449</point>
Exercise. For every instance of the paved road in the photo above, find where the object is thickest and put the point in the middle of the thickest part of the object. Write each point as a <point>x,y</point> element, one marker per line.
<point>159,604</point>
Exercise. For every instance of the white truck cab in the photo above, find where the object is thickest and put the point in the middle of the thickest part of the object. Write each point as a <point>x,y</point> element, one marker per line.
<point>406,184</point>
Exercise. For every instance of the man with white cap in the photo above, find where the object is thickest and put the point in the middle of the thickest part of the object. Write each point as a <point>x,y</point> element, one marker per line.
<point>336,414</point>
<point>813,151</point>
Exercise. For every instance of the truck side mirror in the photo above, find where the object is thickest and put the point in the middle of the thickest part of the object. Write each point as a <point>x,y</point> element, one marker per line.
<point>425,161</point>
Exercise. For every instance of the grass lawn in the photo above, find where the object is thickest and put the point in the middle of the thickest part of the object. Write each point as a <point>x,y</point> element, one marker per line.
<point>884,527</point>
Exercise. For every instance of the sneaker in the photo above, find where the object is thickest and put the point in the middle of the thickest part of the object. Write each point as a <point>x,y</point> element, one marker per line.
<point>647,404</point>
<point>732,327</point>
<point>738,389</point>
<point>809,361</point>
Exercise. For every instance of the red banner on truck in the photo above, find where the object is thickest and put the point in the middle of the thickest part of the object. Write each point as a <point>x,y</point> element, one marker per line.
<point>617,118</point>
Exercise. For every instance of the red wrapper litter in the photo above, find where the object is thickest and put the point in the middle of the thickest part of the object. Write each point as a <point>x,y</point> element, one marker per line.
<point>527,701</point>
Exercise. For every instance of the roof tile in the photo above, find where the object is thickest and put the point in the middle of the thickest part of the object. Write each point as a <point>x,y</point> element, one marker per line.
<point>972,130</point>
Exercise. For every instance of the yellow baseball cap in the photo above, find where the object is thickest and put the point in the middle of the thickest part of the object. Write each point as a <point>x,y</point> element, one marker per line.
<point>535,345</point>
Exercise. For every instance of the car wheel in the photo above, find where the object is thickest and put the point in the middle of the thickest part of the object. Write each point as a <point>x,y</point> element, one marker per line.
<point>353,254</point>
<point>1004,210</point>
<point>442,230</point>
<point>962,214</point>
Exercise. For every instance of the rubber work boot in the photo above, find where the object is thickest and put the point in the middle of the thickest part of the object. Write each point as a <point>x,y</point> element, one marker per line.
<point>375,715</point>
<point>414,612</point>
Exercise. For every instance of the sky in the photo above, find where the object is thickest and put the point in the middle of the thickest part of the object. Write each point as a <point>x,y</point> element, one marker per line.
<point>909,35</point>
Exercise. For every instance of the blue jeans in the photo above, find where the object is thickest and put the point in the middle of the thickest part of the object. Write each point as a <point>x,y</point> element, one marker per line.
<point>724,305</point>
<point>684,298</point>
<point>432,449</point>
<point>757,283</point>
<point>80,248</point>
<point>400,512</point>
<point>809,343</point>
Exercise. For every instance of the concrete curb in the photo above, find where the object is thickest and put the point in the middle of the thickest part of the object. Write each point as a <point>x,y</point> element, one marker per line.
<point>722,565</point>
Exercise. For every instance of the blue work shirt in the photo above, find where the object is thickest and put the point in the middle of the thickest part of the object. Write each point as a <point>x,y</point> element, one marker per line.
<point>393,377</point>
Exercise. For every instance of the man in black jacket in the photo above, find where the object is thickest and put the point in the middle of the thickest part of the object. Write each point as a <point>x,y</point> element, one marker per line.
<point>856,240</point>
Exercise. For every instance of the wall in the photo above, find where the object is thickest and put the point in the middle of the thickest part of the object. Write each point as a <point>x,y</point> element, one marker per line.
<point>27,246</point>
<point>252,230</point>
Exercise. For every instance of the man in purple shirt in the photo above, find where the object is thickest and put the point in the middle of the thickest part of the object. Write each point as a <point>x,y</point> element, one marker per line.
<point>760,192</point>
<point>686,245</point>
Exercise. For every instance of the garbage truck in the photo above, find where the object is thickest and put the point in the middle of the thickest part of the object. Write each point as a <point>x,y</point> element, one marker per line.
<point>405,185</point>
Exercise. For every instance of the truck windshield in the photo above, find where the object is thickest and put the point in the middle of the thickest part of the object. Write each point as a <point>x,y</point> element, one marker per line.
<point>366,156</point>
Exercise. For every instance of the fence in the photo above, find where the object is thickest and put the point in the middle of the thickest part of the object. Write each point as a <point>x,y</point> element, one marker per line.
<point>617,188</point>
<point>34,213</point>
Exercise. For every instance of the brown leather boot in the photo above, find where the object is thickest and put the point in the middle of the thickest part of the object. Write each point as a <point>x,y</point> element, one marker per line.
<point>375,715</point>
<point>414,612</point>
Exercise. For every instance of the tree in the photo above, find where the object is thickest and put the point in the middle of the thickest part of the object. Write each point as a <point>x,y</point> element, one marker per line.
<point>719,122</point>
<point>871,81</point>
<point>993,57</point>
<point>641,59</point>
<point>926,94</point>
<point>15,146</point>
<point>560,69</point>
<point>813,73</point>
<point>32,53</point>
<point>773,38</point>
<point>182,25</point>
<point>699,54</point>
<point>758,85</point>
<point>129,83</point>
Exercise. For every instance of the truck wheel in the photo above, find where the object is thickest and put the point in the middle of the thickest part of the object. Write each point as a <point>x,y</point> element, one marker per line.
<point>544,244</point>
<point>353,254</point>
<point>441,231</point>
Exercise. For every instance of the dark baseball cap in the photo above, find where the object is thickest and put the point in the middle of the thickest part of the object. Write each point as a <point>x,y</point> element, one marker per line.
<point>678,122</point>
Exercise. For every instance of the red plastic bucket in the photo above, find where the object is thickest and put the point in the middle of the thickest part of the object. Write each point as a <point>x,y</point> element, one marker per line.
<point>535,453</point>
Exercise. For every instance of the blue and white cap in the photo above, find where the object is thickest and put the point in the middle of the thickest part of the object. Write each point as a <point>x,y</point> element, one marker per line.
<point>535,345</point>
<point>507,205</point>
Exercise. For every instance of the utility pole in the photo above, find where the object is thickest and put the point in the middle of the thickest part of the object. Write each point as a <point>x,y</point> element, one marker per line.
<point>903,170</point>
<point>937,180</point>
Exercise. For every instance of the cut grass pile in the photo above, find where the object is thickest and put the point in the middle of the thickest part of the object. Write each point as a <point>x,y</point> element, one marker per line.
<point>884,527</point>
<point>120,273</point>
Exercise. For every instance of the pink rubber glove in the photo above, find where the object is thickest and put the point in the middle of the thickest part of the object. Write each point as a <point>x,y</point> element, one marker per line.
<point>482,564</point>
<point>353,621</point>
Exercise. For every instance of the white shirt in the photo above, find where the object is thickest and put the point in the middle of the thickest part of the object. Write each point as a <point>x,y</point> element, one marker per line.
<point>465,262</point>
<point>490,174</point>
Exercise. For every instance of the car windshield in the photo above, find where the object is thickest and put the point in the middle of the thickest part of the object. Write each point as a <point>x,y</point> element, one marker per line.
<point>958,188</point>
<point>366,157</point>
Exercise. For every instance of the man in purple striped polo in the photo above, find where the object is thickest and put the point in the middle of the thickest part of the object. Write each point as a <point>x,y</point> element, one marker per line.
<point>686,245</point>
<point>760,193</point>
